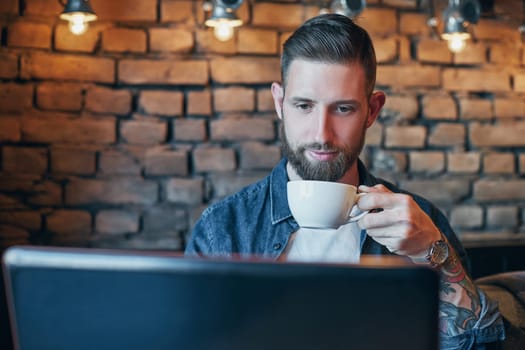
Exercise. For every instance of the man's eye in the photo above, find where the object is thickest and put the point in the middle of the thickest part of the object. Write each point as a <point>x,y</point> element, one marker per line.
<point>345,109</point>
<point>303,106</point>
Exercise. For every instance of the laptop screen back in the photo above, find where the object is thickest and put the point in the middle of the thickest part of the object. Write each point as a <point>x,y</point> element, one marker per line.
<point>71,298</point>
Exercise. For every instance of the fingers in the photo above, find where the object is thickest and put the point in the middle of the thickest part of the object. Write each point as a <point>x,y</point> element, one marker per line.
<point>375,188</point>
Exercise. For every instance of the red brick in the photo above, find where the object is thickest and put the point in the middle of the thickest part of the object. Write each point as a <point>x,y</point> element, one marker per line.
<point>509,107</point>
<point>502,216</point>
<point>185,191</point>
<point>433,51</point>
<point>27,219</point>
<point>378,20</point>
<point>464,162</point>
<point>42,8</point>
<point>189,130</point>
<point>116,222</point>
<point>119,162</point>
<point>233,99</point>
<point>447,134</point>
<point>256,155</point>
<point>32,160</point>
<point>10,129</point>
<point>226,183</point>
<point>374,135</point>
<point>497,190</point>
<point>386,49</point>
<point>405,136</point>
<point>245,70</point>
<point>206,42</point>
<point>29,34</point>
<point>277,15</point>
<point>177,11</point>
<point>498,163</point>
<point>519,82</point>
<point>429,162</point>
<point>162,102</point>
<point>403,107</point>
<point>467,216</point>
<point>408,76</point>
<point>105,100</point>
<point>170,40</point>
<point>46,193</point>
<point>72,161</point>
<point>405,50</point>
<point>67,41</point>
<point>404,4</point>
<point>464,79</point>
<point>439,107</point>
<point>213,159</point>
<point>66,130</point>
<point>15,97</point>
<point>496,30</point>
<point>9,7</point>
<point>67,222</point>
<point>188,72</point>
<point>411,23</point>
<point>41,65</point>
<point>474,53</point>
<point>241,128</point>
<point>165,220</point>
<point>143,132</point>
<point>475,108</point>
<point>504,135</point>
<point>124,40</point>
<point>112,191</point>
<point>257,41</point>
<point>59,96</point>
<point>199,103</point>
<point>166,161</point>
<point>439,191</point>
<point>8,65</point>
<point>125,10</point>
<point>265,100</point>
<point>505,53</point>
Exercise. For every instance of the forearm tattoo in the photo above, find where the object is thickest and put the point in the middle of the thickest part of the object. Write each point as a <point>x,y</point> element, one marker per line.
<point>459,299</point>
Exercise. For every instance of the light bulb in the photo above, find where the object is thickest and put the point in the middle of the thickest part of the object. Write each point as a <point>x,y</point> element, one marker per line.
<point>457,44</point>
<point>223,31</point>
<point>78,24</point>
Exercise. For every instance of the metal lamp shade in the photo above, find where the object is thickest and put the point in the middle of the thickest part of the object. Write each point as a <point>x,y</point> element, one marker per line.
<point>75,7</point>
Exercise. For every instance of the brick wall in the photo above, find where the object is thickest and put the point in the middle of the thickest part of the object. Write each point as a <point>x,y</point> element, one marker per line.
<point>120,137</point>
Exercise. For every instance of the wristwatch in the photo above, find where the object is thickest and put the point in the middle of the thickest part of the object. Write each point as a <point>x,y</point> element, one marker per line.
<point>438,253</point>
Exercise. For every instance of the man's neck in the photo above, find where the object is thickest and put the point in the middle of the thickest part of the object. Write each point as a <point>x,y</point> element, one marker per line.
<point>351,176</point>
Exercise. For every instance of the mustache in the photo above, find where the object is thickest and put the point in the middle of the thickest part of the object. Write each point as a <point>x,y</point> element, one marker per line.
<point>325,147</point>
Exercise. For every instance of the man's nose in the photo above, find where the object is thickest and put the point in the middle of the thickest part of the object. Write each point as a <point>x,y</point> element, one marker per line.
<point>325,131</point>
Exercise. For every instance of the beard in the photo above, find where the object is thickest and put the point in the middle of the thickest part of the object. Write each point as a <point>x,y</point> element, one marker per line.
<point>331,170</point>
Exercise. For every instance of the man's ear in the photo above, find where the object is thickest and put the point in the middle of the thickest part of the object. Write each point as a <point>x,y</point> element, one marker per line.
<point>377,101</point>
<point>278,95</point>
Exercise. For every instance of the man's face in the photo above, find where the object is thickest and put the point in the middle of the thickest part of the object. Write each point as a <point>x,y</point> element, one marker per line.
<point>325,112</point>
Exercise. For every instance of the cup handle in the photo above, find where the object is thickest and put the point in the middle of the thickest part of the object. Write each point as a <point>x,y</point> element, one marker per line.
<point>360,215</point>
<point>357,217</point>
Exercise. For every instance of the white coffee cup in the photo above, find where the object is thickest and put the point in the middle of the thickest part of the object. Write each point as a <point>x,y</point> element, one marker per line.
<point>323,204</point>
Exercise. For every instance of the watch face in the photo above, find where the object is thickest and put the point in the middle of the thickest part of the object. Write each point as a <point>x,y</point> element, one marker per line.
<point>438,253</point>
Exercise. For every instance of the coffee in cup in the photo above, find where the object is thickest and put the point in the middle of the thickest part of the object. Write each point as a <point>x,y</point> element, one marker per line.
<point>323,204</point>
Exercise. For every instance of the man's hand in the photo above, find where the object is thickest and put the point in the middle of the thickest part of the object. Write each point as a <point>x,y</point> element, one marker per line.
<point>405,229</point>
<point>402,226</point>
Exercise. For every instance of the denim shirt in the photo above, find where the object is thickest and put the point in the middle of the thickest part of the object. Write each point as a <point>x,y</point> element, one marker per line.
<point>257,221</point>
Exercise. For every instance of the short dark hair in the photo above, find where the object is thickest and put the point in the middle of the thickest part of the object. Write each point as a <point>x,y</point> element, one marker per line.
<point>331,38</point>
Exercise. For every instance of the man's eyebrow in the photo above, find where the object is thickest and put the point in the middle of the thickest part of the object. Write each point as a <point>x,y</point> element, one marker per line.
<point>301,99</point>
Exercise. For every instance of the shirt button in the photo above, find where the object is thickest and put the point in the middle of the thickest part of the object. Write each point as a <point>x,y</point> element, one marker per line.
<point>277,246</point>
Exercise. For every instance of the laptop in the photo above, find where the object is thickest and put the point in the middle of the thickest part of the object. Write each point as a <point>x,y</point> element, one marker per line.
<point>83,298</point>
